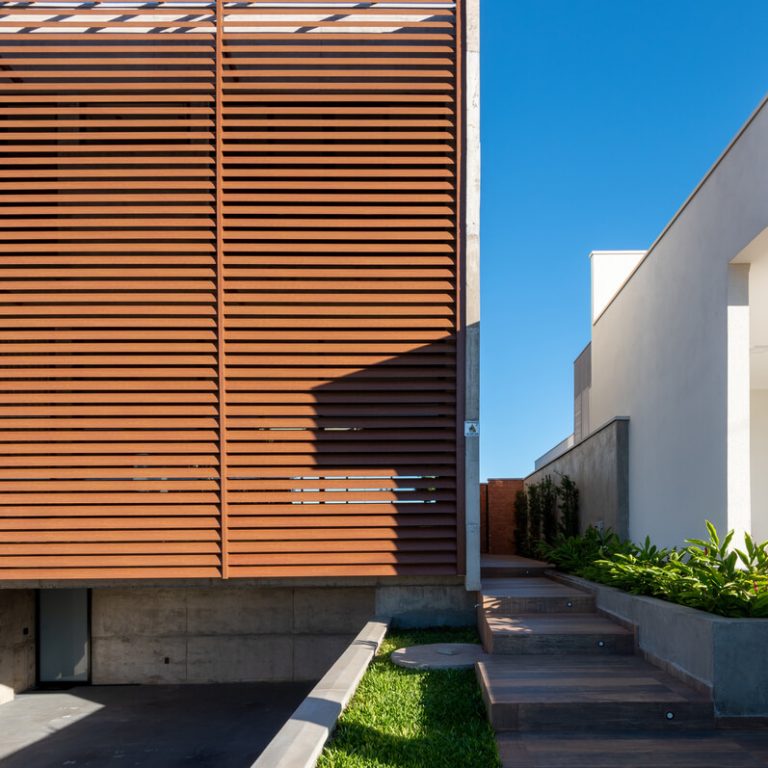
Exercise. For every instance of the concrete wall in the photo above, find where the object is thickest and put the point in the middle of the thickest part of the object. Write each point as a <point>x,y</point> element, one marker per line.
<point>759,461</point>
<point>660,352</point>
<point>237,634</point>
<point>483,518</point>
<point>17,642</point>
<point>599,466</point>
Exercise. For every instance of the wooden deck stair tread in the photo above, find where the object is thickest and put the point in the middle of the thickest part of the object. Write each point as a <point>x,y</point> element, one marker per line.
<point>511,561</point>
<point>587,693</point>
<point>511,565</point>
<point>555,624</point>
<point>580,679</point>
<point>699,749</point>
<point>535,586</point>
<point>559,667</point>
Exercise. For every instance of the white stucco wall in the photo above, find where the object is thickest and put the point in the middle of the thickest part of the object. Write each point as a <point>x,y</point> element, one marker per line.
<point>659,350</point>
<point>610,270</point>
<point>759,435</point>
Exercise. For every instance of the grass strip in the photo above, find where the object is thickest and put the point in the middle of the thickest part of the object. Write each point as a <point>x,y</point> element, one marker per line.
<point>405,718</point>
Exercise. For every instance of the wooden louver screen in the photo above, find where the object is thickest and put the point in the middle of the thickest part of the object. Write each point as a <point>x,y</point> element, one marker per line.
<point>229,297</point>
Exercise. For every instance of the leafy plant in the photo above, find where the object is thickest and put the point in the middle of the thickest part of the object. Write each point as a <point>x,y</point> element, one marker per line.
<point>545,512</point>
<point>535,519</point>
<point>548,502</point>
<point>708,574</point>
<point>578,554</point>
<point>569,507</point>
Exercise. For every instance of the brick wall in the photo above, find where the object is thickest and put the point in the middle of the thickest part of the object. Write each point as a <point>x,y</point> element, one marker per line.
<point>484,517</point>
<point>497,515</point>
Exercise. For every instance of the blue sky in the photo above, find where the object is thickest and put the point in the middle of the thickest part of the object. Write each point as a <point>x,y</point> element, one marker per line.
<point>598,119</point>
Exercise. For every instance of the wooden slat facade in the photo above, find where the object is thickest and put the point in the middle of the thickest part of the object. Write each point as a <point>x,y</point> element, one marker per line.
<point>230,247</point>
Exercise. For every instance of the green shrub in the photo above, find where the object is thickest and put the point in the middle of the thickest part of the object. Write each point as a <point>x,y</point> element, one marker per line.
<point>535,517</point>
<point>569,507</point>
<point>707,574</point>
<point>548,502</point>
<point>544,513</point>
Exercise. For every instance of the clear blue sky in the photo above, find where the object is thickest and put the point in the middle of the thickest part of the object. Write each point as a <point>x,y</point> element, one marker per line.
<point>598,119</point>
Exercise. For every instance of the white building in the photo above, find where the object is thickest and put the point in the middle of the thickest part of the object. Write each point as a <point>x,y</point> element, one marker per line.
<point>680,347</point>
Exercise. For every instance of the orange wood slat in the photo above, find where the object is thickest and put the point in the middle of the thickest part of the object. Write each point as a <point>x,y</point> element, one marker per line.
<point>229,289</point>
<point>74,464</point>
<point>317,292</point>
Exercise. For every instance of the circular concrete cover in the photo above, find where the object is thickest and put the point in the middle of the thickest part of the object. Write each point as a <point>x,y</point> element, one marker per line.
<point>439,656</point>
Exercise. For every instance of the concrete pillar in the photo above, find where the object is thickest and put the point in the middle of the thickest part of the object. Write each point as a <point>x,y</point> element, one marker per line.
<point>472,292</point>
<point>17,642</point>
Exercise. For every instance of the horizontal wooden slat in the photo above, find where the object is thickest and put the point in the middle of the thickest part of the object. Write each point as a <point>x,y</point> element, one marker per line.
<point>229,264</point>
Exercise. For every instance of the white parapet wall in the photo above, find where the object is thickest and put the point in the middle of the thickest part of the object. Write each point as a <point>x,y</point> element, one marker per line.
<point>609,271</point>
<point>665,348</point>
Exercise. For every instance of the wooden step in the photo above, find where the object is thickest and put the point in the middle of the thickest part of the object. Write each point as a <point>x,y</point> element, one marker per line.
<point>675,749</point>
<point>534,595</point>
<point>587,693</point>
<point>511,566</point>
<point>548,633</point>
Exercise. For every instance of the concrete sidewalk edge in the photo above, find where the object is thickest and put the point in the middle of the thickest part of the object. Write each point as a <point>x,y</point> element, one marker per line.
<point>300,741</point>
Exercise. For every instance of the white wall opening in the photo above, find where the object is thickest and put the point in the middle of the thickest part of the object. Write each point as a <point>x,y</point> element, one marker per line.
<point>755,259</point>
<point>758,384</point>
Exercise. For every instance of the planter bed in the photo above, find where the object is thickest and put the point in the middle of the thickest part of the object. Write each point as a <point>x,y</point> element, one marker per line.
<point>726,657</point>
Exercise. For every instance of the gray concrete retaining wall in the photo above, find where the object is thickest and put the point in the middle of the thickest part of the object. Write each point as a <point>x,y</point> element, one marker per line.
<point>725,656</point>
<point>17,642</point>
<point>243,634</point>
<point>599,465</point>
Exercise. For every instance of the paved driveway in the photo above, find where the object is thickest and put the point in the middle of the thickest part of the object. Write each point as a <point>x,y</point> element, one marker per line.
<point>163,726</point>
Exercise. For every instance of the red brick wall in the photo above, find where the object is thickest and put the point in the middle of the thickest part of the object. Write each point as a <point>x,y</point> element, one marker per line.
<point>497,515</point>
<point>484,517</point>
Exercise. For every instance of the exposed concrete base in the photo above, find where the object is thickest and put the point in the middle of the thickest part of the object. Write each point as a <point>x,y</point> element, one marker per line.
<point>430,605</point>
<point>246,634</point>
<point>17,642</point>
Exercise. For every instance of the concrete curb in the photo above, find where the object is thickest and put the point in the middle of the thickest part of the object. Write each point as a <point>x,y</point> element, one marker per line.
<point>300,741</point>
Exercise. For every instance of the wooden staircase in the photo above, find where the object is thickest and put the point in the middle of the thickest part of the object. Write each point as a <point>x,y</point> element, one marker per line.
<point>561,673</point>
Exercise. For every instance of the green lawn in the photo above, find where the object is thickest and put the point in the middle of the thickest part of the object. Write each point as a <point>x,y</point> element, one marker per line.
<point>402,718</point>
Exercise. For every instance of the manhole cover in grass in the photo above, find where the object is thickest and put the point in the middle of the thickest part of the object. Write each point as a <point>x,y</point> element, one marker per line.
<point>439,656</point>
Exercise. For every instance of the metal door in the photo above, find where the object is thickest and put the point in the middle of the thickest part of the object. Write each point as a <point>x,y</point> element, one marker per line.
<point>63,636</point>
